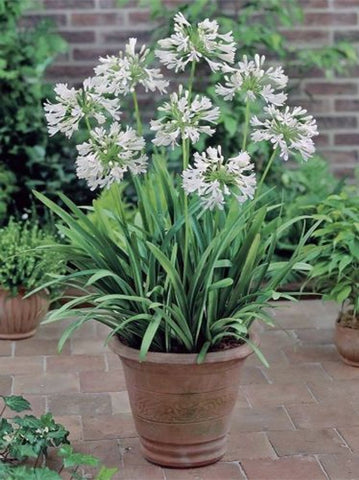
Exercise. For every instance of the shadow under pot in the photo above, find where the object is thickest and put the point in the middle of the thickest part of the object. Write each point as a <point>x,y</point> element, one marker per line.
<point>346,338</point>
<point>19,316</point>
<point>183,410</point>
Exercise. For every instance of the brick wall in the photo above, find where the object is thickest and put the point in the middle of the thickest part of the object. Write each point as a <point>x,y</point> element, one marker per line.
<point>99,27</point>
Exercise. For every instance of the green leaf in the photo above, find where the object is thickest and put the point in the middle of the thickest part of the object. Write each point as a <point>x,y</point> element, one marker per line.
<point>16,403</point>
<point>344,294</point>
<point>106,473</point>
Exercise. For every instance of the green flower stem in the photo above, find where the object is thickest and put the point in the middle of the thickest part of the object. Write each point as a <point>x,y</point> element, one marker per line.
<point>185,153</point>
<point>269,164</point>
<point>246,126</point>
<point>88,125</point>
<point>137,113</point>
<point>191,78</point>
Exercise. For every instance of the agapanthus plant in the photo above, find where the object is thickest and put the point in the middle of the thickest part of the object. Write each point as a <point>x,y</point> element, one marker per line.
<point>187,270</point>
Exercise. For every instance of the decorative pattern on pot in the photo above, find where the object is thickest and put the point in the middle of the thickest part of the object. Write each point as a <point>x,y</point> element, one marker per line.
<point>182,410</point>
<point>20,317</point>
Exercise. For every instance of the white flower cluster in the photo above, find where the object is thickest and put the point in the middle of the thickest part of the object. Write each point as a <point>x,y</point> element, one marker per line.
<point>253,82</point>
<point>183,117</point>
<point>289,130</point>
<point>73,105</point>
<point>195,43</point>
<point>213,179</point>
<point>121,74</point>
<point>108,155</point>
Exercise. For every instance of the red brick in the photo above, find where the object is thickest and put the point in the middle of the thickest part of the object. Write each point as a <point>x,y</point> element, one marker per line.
<point>114,3</point>
<point>72,423</point>
<point>341,371</point>
<point>260,419</point>
<point>108,426</point>
<point>296,373</point>
<point>274,394</point>
<point>96,19</point>
<point>38,406</point>
<point>87,346</point>
<point>341,467</point>
<point>6,348</point>
<point>351,105</point>
<point>121,36</point>
<point>346,3</point>
<point>331,88</point>
<point>304,442</point>
<point>311,353</point>
<point>42,384</point>
<point>5,384</point>
<point>120,402</point>
<point>329,19</point>
<point>316,336</point>
<point>336,123</point>
<point>107,451</point>
<point>322,140</point>
<point>321,105</point>
<point>351,36</point>
<point>148,472</point>
<point>69,71</point>
<point>80,404</point>
<point>21,365</point>
<point>250,375</point>
<point>305,36</point>
<point>75,363</point>
<point>68,4</point>
<point>351,436</point>
<point>131,452</point>
<point>30,20</point>
<point>33,346</point>
<point>347,139</point>
<point>139,16</point>
<point>112,381</point>
<point>326,415</point>
<point>313,3</point>
<point>338,157</point>
<point>251,445</point>
<point>93,54</point>
<point>293,468</point>
<point>345,391</point>
<point>222,471</point>
<point>80,36</point>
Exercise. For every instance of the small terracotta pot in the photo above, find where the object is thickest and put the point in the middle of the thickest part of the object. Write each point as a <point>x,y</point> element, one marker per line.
<point>20,317</point>
<point>182,410</point>
<point>346,340</point>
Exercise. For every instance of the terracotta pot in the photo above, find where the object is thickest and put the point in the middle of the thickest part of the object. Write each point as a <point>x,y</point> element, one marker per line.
<point>182,410</point>
<point>346,340</point>
<point>20,317</point>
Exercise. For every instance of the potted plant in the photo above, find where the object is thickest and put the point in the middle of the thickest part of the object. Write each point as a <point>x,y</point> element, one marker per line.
<point>24,265</point>
<point>336,267</point>
<point>181,281</point>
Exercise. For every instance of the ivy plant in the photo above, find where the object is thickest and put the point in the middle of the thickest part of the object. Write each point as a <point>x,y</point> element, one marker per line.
<point>28,438</point>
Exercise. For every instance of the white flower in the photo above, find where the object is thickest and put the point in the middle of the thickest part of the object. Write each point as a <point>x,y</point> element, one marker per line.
<point>250,79</point>
<point>73,105</point>
<point>122,73</point>
<point>213,179</point>
<point>290,131</point>
<point>193,43</point>
<point>107,156</point>
<point>183,117</point>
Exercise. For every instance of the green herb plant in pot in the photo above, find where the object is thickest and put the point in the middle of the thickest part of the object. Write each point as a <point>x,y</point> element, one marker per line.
<point>24,265</point>
<point>181,281</point>
<point>336,267</point>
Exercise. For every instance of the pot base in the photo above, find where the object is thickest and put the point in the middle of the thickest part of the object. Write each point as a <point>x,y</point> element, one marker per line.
<point>17,336</point>
<point>183,456</point>
<point>352,363</point>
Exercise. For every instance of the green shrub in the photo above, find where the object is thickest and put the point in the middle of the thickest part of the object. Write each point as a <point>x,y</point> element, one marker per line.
<point>23,263</point>
<point>25,148</point>
<point>336,259</point>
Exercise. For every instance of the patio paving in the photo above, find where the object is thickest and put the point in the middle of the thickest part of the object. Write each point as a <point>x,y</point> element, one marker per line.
<point>297,420</point>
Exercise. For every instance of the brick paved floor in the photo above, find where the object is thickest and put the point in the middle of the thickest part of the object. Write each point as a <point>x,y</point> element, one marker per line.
<point>297,420</point>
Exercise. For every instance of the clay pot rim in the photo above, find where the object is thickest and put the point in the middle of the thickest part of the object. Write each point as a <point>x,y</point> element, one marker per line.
<point>236,353</point>
<point>22,292</point>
